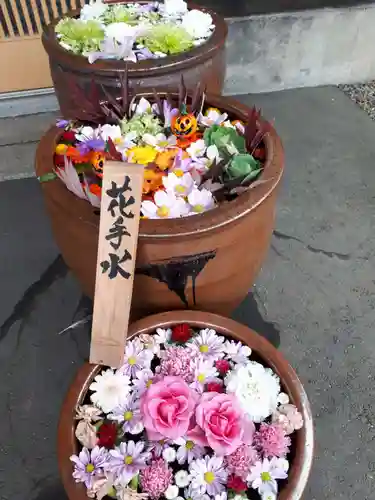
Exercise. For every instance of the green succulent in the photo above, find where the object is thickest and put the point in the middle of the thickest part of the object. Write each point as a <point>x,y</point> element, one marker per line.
<point>120,14</point>
<point>142,124</point>
<point>167,38</point>
<point>224,138</point>
<point>243,165</point>
<point>81,36</point>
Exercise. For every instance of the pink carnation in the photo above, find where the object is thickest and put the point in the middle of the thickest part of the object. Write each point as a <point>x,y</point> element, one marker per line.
<point>156,478</point>
<point>272,441</point>
<point>288,417</point>
<point>178,362</point>
<point>242,460</point>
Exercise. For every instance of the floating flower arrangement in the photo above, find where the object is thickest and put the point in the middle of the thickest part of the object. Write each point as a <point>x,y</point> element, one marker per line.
<point>189,415</point>
<point>196,156</point>
<point>134,31</point>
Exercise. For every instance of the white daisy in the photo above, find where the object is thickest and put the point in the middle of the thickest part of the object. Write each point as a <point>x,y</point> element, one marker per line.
<point>136,358</point>
<point>222,496</point>
<point>142,381</point>
<point>212,117</point>
<point>143,106</point>
<point>237,351</point>
<point>209,475</point>
<point>192,494</point>
<point>204,373</point>
<point>263,475</point>
<point>197,149</point>
<point>86,133</point>
<point>209,344</point>
<point>110,131</point>
<point>163,336</point>
<point>197,23</point>
<point>179,185</point>
<point>201,200</point>
<point>93,10</point>
<point>150,343</point>
<point>256,388</point>
<point>164,206</point>
<point>129,415</point>
<point>110,389</point>
<point>160,141</point>
<point>188,451</point>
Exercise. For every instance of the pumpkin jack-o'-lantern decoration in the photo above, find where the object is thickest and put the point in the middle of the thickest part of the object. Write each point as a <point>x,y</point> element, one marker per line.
<point>184,126</point>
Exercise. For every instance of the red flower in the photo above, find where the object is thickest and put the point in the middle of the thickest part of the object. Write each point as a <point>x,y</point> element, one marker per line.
<point>68,136</point>
<point>214,387</point>
<point>59,160</point>
<point>107,434</point>
<point>236,483</point>
<point>181,333</point>
<point>223,366</point>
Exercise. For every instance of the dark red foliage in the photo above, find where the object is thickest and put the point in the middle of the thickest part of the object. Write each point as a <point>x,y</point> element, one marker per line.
<point>112,153</point>
<point>236,484</point>
<point>107,434</point>
<point>68,136</point>
<point>214,387</point>
<point>181,333</point>
<point>223,366</point>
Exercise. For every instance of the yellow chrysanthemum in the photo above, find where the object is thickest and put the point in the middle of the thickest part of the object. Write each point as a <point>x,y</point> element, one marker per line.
<point>142,154</point>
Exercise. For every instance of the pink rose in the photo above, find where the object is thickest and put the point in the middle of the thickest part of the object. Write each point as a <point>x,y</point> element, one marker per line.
<point>167,407</point>
<point>221,424</point>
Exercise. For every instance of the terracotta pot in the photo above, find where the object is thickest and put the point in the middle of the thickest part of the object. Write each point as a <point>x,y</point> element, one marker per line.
<point>205,63</point>
<point>208,261</point>
<point>302,449</point>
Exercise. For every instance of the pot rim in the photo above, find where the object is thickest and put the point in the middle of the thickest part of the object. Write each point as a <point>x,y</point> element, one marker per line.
<point>301,465</point>
<point>225,213</point>
<point>177,62</point>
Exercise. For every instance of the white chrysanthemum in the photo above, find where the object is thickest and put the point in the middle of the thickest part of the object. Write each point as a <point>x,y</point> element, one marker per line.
<point>169,454</point>
<point>237,352</point>
<point>110,389</point>
<point>175,7</point>
<point>93,10</point>
<point>256,388</point>
<point>86,133</point>
<point>209,475</point>
<point>209,344</point>
<point>182,478</point>
<point>197,23</point>
<point>171,492</point>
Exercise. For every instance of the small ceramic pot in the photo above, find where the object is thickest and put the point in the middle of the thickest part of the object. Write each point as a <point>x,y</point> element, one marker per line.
<point>205,63</point>
<point>303,440</point>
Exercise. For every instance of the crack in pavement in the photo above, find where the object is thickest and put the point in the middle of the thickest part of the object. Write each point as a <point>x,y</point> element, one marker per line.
<point>26,305</point>
<point>341,256</point>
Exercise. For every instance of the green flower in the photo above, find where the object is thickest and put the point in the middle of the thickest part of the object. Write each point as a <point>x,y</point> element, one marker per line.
<point>81,36</point>
<point>167,38</point>
<point>243,165</point>
<point>224,138</point>
<point>142,124</point>
<point>120,14</point>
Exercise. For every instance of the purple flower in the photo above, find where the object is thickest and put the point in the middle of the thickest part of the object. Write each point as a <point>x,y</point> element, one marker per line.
<point>127,460</point>
<point>62,123</point>
<point>180,163</point>
<point>144,53</point>
<point>88,465</point>
<point>136,358</point>
<point>157,447</point>
<point>169,113</point>
<point>129,414</point>
<point>88,145</point>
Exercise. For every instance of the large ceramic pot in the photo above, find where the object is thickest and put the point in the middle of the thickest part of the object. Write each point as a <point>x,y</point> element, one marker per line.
<point>205,64</point>
<point>208,261</point>
<point>302,447</point>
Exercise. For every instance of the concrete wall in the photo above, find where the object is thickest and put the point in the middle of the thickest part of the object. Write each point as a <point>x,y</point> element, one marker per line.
<point>301,49</point>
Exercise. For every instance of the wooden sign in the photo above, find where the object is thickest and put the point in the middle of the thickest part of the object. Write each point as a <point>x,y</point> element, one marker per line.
<point>117,249</point>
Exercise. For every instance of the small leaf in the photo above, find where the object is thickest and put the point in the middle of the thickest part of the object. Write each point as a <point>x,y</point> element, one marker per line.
<point>51,176</point>
<point>251,176</point>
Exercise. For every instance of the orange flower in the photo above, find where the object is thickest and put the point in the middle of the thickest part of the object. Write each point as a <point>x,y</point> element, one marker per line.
<point>164,159</point>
